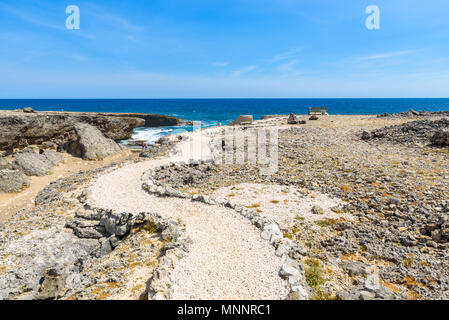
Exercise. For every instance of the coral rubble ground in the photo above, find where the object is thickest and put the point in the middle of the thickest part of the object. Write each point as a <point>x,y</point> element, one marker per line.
<point>358,209</point>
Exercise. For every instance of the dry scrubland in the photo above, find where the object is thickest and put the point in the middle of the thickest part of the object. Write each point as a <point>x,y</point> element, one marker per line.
<point>363,198</point>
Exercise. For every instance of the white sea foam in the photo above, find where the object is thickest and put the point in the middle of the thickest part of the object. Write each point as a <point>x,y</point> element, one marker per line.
<point>150,135</point>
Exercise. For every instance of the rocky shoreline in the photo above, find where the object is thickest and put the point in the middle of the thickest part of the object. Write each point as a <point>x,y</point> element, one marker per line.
<point>21,128</point>
<point>396,189</point>
<point>32,143</point>
<point>386,239</point>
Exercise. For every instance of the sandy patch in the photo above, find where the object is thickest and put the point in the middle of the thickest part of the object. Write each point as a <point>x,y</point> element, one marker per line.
<point>10,203</point>
<point>286,205</point>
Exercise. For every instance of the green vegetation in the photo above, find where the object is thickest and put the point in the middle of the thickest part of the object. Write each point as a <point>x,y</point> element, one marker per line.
<point>326,222</point>
<point>315,279</point>
<point>151,227</point>
<point>254,205</point>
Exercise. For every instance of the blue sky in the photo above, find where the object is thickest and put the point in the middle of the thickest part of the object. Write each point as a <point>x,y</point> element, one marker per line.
<point>224,49</point>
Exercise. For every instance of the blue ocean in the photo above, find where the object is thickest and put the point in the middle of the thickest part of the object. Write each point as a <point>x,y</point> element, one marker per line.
<point>213,111</point>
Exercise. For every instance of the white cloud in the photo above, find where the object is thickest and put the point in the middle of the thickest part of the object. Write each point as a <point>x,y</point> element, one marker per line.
<point>219,63</point>
<point>387,55</point>
<point>285,55</point>
<point>243,71</point>
<point>154,85</point>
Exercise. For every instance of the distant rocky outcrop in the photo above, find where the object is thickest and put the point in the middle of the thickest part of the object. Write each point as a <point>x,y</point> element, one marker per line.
<point>151,120</point>
<point>243,119</point>
<point>414,113</point>
<point>420,131</point>
<point>272,116</point>
<point>292,119</point>
<point>91,144</point>
<point>28,110</point>
<point>19,129</point>
<point>13,181</point>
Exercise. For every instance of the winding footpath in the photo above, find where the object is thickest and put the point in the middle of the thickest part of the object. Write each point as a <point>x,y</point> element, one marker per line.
<point>227,260</point>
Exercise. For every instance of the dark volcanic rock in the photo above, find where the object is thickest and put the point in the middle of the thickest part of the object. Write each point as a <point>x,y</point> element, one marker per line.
<point>91,144</point>
<point>421,131</point>
<point>440,138</point>
<point>292,119</point>
<point>13,181</point>
<point>413,113</point>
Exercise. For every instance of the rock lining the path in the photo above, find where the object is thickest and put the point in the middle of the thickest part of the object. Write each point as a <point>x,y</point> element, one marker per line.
<point>291,270</point>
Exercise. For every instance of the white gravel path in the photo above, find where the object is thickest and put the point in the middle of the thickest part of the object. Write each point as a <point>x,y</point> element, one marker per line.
<point>227,260</point>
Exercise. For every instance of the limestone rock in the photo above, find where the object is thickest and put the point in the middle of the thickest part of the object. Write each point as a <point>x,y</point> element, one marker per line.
<point>5,164</point>
<point>52,287</point>
<point>34,164</point>
<point>242,120</point>
<point>292,119</point>
<point>19,129</point>
<point>53,157</point>
<point>317,210</point>
<point>91,144</point>
<point>13,181</point>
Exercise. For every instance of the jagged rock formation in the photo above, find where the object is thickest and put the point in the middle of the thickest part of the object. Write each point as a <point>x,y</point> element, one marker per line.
<point>151,120</point>
<point>420,131</point>
<point>440,138</point>
<point>91,144</point>
<point>243,119</point>
<point>19,129</point>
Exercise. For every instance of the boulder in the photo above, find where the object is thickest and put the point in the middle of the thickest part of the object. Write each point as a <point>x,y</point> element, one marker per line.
<point>53,285</point>
<point>313,118</point>
<point>53,157</point>
<point>243,119</point>
<point>35,164</point>
<point>317,210</point>
<point>366,135</point>
<point>440,138</point>
<point>292,119</point>
<point>91,144</point>
<point>28,110</point>
<point>5,164</point>
<point>13,181</point>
